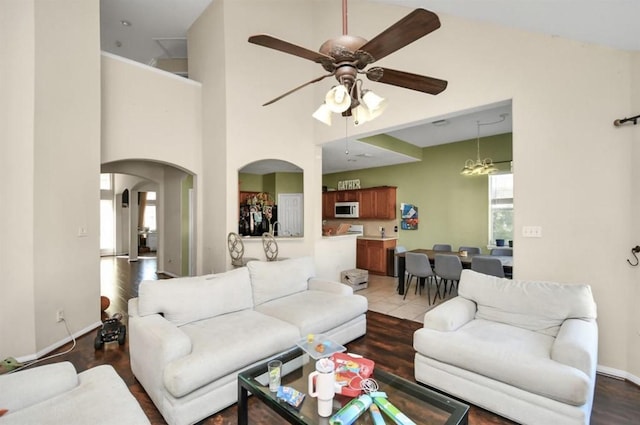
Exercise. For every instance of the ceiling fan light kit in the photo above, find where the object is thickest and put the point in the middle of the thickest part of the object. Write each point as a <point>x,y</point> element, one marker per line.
<point>345,57</point>
<point>323,114</point>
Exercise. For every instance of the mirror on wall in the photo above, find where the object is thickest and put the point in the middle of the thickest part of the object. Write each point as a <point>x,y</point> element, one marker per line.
<point>271,199</point>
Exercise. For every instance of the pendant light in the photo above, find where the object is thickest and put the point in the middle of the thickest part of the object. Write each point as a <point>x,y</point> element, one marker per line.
<point>480,167</point>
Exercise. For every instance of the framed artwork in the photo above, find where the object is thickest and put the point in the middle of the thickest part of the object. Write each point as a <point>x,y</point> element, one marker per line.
<point>409,217</point>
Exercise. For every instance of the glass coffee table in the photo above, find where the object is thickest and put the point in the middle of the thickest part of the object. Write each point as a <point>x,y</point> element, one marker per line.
<point>420,404</point>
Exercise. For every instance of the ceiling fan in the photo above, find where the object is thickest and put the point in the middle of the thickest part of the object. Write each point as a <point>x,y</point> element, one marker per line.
<point>346,56</point>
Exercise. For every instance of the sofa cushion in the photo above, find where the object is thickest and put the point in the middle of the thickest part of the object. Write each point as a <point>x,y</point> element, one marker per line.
<point>533,305</point>
<point>184,300</point>
<point>276,279</point>
<point>315,311</point>
<point>509,354</point>
<point>226,344</point>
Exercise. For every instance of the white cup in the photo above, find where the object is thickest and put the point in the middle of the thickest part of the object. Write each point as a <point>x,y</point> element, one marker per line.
<point>322,386</point>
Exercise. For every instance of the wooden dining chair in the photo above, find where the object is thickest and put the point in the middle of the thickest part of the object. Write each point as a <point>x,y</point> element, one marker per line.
<point>487,265</point>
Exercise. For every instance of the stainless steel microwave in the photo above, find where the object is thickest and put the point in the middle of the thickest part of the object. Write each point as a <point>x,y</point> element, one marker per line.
<point>347,210</point>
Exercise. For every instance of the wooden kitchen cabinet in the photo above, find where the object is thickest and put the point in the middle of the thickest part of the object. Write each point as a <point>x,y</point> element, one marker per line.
<point>371,254</point>
<point>328,202</point>
<point>377,203</point>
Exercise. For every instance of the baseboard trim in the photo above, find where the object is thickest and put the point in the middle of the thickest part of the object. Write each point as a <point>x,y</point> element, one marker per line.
<point>58,344</point>
<point>168,273</point>
<point>618,374</point>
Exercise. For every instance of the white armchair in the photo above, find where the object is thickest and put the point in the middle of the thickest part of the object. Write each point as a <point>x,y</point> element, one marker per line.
<point>55,394</point>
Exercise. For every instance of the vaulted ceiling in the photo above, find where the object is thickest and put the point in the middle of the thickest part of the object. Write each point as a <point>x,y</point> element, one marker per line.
<point>150,30</point>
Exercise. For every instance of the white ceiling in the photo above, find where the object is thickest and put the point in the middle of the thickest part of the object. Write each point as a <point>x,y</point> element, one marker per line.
<point>158,29</point>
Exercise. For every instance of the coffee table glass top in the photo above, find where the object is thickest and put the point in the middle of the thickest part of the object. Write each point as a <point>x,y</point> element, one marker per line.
<point>420,404</point>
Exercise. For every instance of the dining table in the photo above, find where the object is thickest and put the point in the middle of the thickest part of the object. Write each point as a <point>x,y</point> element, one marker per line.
<point>507,262</point>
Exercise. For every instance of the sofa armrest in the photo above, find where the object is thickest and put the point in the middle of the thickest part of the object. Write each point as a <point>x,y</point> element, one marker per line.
<point>576,345</point>
<point>450,315</point>
<point>31,386</point>
<point>153,343</point>
<point>316,284</point>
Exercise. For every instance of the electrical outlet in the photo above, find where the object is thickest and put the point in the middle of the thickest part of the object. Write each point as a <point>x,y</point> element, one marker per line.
<point>59,315</point>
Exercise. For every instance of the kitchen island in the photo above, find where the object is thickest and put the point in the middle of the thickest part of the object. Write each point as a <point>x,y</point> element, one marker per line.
<point>371,253</point>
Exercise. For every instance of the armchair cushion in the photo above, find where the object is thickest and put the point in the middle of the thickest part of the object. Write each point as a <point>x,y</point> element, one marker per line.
<point>537,306</point>
<point>277,279</point>
<point>509,354</point>
<point>30,386</point>
<point>187,300</point>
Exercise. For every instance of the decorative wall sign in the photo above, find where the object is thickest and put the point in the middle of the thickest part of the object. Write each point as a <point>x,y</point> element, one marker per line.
<point>409,217</point>
<point>349,184</point>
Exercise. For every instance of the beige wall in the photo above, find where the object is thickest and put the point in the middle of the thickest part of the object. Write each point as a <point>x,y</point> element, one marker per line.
<point>54,149</point>
<point>151,115</point>
<point>562,115</point>
<point>632,297</point>
<point>17,105</point>
<point>565,95</point>
<point>237,78</point>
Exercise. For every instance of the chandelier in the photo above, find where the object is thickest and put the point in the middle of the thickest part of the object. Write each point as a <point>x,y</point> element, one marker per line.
<point>348,99</point>
<point>480,167</point>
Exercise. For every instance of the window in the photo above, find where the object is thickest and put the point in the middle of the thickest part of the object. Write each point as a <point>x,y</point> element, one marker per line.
<point>149,214</point>
<point>500,207</point>
<point>107,215</point>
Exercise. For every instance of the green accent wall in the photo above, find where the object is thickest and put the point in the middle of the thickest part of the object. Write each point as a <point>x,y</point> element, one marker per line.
<point>250,182</point>
<point>452,209</point>
<point>273,183</point>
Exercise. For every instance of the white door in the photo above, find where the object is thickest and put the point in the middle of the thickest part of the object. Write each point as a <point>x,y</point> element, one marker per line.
<point>291,214</point>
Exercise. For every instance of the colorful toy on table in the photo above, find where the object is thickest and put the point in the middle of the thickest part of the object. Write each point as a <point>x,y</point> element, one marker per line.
<point>351,411</point>
<point>376,416</point>
<point>380,399</point>
<point>290,396</point>
<point>351,371</point>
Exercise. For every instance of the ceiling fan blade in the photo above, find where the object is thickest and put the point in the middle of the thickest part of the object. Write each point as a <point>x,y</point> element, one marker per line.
<point>407,80</point>
<point>271,42</point>
<point>415,25</point>
<point>298,88</point>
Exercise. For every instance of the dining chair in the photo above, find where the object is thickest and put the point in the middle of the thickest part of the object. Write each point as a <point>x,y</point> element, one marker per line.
<point>471,250</point>
<point>418,266</point>
<point>398,250</point>
<point>503,252</point>
<point>448,268</point>
<point>487,265</point>
<point>442,247</point>
<point>236,250</point>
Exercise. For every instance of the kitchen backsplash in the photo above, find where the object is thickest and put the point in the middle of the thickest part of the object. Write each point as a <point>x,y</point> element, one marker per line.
<point>371,227</point>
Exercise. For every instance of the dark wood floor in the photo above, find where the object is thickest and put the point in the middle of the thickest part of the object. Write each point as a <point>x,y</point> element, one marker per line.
<point>388,342</point>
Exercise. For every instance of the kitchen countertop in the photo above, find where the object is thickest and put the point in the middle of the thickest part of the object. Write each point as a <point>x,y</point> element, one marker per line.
<point>378,238</point>
<point>343,235</point>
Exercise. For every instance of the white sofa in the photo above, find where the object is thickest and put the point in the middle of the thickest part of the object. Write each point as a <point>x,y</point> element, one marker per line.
<point>189,337</point>
<point>524,350</point>
<point>55,394</point>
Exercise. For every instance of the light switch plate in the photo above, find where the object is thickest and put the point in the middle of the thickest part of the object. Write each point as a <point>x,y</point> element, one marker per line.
<point>532,231</point>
